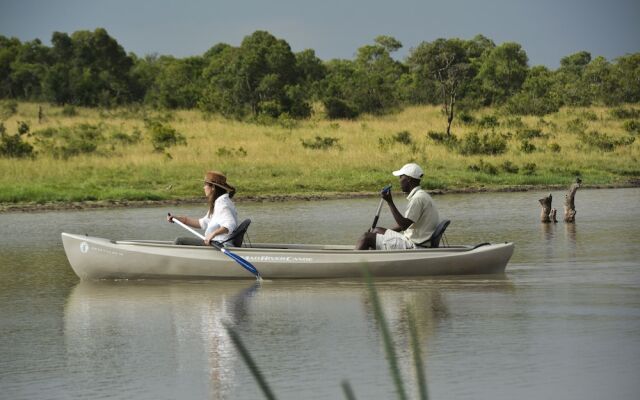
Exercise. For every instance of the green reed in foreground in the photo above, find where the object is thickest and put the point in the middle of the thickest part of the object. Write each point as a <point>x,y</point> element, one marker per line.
<point>388,345</point>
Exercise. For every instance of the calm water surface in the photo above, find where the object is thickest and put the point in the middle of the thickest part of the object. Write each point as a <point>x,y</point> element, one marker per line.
<point>564,322</point>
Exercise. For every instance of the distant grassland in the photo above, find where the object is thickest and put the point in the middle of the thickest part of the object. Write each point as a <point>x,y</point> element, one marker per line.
<point>280,158</point>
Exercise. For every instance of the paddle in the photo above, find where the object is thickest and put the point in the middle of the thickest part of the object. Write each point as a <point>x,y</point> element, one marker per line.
<point>244,263</point>
<point>386,189</point>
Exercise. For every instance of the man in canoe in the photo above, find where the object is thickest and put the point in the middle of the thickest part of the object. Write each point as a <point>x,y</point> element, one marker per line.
<point>415,226</point>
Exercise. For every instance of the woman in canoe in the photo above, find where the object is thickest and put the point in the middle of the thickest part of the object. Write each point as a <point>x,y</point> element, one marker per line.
<point>220,220</point>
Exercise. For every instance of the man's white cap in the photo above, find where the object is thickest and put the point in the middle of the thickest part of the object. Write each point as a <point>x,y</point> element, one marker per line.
<point>412,169</point>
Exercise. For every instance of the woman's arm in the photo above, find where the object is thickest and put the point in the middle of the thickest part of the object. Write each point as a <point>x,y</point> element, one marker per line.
<point>192,222</point>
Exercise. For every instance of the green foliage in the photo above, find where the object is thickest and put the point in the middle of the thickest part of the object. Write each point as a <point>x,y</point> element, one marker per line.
<point>603,141</point>
<point>163,135</point>
<point>537,96</point>
<point>555,147</point>
<point>8,108</point>
<point>509,167</point>
<point>502,72</point>
<point>529,133</point>
<point>124,138</point>
<point>13,146</point>
<point>484,167</point>
<point>69,111</point>
<point>632,126</point>
<point>259,77</point>
<point>338,109</point>
<point>490,143</point>
<point>450,141</point>
<point>320,143</point>
<point>625,113</point>
<point>515,122</point>
<point>231,152</point>
<point>527,147</point>
<point>529,168</point>
<point>576,126</point>
<point>403,137</point>
<point>489,121</point>
<point>66,142</point>
<point>466,118</point>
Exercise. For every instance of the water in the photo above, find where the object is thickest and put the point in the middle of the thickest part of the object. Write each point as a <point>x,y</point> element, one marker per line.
<point>564,322</point>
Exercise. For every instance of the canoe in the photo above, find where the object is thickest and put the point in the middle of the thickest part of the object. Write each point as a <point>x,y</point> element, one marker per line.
<point>99,258</point>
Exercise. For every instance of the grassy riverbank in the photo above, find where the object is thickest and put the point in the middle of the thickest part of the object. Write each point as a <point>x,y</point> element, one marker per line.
<point>312,156</point>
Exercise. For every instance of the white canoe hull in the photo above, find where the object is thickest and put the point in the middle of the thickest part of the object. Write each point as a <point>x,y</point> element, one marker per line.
<point>98,258</point>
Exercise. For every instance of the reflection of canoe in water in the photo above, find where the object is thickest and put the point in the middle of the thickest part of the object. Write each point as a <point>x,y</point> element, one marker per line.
<point>97,258</point>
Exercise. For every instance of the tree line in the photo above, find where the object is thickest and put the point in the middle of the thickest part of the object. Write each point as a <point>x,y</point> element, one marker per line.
<point>264,78</point>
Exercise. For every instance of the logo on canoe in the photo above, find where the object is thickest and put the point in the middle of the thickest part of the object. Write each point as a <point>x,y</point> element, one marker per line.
<point>84,247</point>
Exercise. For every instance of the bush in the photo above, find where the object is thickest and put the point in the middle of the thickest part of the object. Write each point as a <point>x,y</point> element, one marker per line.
<point>603,141</point>
<point>71,141</point>
<point>527,147</point>
<point>485,167</point>
<point>489,121</point>
<point>339,109</point>
<point>466,118</point>
<point>529,168</point>
<point>589,115</point>
<point>625,113</point>
<point>12,146</point>
<point>8,108</point>
<point>225,152</point>
<point>528,104</point>
<point>69,111</point>
<point>576,126</point>
<point>555,147</point>
<point>509,167</point>
<point>320,143</point>
<point>632,126</point>
<point>487,143</point>
<point>515,122</point>
<point>163,136</point>
<point>124,138</point>
<point>525,134</point>
<point>451,141</point>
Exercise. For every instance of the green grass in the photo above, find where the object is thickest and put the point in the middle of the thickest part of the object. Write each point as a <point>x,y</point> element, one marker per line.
<point>356,155</point>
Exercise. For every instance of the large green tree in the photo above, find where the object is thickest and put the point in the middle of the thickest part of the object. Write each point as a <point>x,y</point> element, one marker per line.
<point>260,77</point>
<point>89,69</point>
<point>502,72</point>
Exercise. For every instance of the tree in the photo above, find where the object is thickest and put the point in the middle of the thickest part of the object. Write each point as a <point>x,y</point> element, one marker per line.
<point>627,72</point>
<point>257,78</point>
<point>537,96</point>
<point>89,69</point>
<point>446,62</point>
<point>569,79</point>
<point>502,72</point>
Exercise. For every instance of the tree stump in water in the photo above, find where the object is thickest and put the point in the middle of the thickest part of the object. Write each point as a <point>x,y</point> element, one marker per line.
<point>569,202</point>
<point>547,214</point>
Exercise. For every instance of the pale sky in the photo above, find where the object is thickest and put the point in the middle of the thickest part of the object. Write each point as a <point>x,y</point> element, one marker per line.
<point>547,29</point>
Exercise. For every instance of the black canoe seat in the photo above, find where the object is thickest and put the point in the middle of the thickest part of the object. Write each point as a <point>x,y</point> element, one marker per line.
<point>237,236</point>
<point>438,233</point>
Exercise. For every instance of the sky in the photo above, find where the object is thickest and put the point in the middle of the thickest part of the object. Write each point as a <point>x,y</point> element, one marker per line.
<point>546,29</point>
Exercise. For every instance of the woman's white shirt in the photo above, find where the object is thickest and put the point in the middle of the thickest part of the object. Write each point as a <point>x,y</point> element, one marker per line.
<point>224,214</point>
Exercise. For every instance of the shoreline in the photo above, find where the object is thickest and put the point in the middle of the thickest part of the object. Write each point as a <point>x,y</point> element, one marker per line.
<point>106,204</point>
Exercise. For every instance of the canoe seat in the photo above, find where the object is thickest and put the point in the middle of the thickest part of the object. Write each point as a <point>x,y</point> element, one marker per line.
<point>237,236</point>
<point>438,233</point>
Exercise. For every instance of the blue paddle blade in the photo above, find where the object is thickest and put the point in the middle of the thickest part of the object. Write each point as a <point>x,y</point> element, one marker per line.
<point>244,263</point>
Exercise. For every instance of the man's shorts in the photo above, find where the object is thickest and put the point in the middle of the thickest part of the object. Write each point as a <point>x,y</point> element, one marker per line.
<point>392,240</point>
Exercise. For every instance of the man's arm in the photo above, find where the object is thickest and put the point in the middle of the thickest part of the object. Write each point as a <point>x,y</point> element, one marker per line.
<point>402,222</point>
